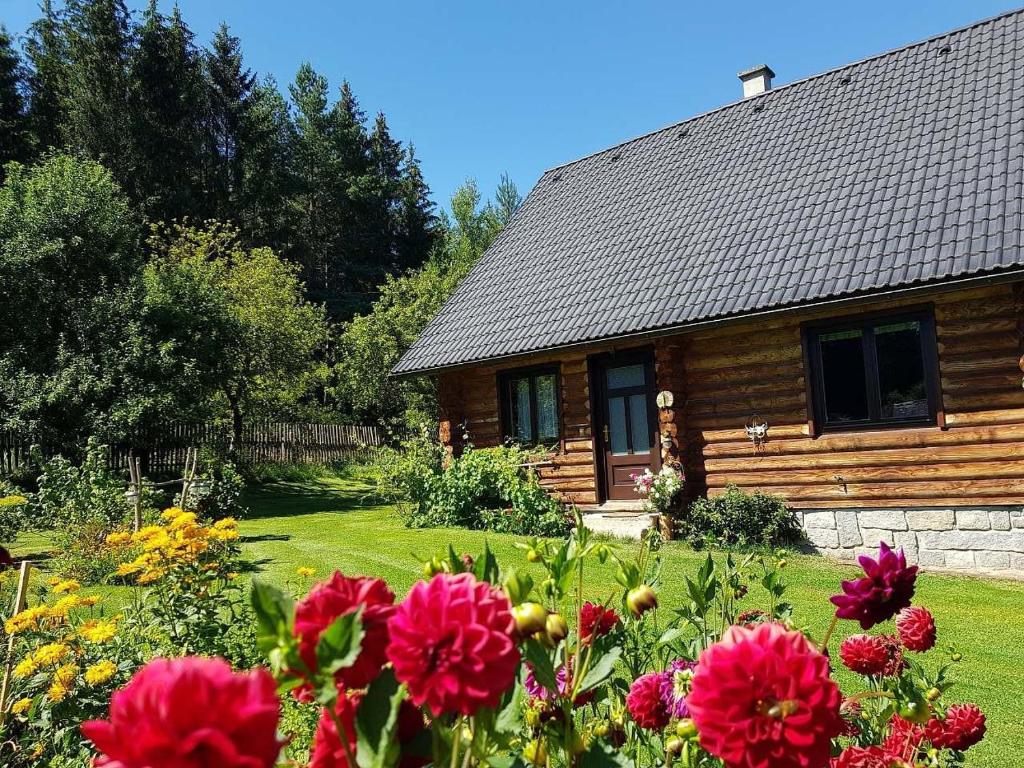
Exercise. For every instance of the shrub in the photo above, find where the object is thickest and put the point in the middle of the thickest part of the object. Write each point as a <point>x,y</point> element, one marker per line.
<point>739,519</point>
<point>217,493</point>
<point>482,489</point>
<point>13,506</point>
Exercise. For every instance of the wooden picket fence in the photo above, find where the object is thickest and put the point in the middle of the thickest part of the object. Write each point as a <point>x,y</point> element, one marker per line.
<point>164,449</point>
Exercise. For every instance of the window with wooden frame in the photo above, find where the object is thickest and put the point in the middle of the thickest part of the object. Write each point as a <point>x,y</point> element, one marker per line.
<point>529,405</point>
<point>873,371</point>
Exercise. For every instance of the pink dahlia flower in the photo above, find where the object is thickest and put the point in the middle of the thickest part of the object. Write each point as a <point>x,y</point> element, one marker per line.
<point>962,728</point>
<point>190,712</point>
<point>916,628</point>
<point>645,702</point>
<point>338,596</point>
<point>451,644</point>
<point>864,654</point>
<point>904,739</point>
<point>763,697</point>
<point>538,691</point>
<point>884,590</point>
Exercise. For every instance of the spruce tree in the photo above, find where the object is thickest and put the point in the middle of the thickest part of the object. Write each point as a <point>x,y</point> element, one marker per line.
<point>168,112</point>
<point>46,57</point>
<point>418,230</point>
<point>96,100</point>
<point>14,138</point>
<point>232,128</point>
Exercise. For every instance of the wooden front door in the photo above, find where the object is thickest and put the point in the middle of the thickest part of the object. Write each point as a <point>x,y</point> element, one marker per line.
<point>627,432</point>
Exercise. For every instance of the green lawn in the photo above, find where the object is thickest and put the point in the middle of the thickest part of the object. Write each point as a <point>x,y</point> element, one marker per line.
<point>333,525</point>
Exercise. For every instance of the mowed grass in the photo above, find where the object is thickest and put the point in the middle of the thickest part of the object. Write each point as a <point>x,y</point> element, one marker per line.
<point>334,524</point>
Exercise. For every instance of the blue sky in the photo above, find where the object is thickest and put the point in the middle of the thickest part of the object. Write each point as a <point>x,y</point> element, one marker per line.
<point>485,87</point>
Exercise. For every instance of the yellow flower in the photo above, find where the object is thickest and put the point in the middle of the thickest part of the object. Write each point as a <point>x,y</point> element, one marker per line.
<point>51,653</point>
<point>224,534</point>
<point>66,674</point>
<point>58,692</point>
<point>172,513</point>
<point>26,667</point>
<point>69,585</point>
<point>119,539</point>
<point>100,672</point>
<point>27,619</point>
<point>225,523</point>
<point>305,571</point>
<point>64,606</point>
<point>98,631</point>
<point>151,575</point>
<point>127,569</point>
<point>21,706</point>
<point>12,501</point>
<point>184,520</point>
<point>146,533</point>
<point>89,600</point>
<point>231,576</point>
<point>37,751</point>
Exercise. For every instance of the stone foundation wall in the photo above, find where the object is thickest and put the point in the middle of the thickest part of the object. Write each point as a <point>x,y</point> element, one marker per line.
<point>979,539</point>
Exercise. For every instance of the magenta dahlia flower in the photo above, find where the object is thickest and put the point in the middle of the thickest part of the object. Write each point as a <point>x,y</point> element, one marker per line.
<point>451,644</point>
<point>339,596</point>
<point>190,712</point>
<point>763,697</point>
<point>863,757</point>
<point>884,590</point>
<point>675,687</point>
<point>329,752</point>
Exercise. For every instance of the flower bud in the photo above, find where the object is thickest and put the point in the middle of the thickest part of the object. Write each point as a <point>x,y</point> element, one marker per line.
<point>601,729</point>
<point>640,600</point>
<point>674,746</point>
<point>432,567</point>
<point>686,728</point>
<point>915,712</point>
<point>933,694</point>
<point>529,617</point>
<point>532,717</point>
<point>577,744</point>
<point>555,628</point>
<point>956,657</point>
<point>532,555</point>
<point>536,753</point>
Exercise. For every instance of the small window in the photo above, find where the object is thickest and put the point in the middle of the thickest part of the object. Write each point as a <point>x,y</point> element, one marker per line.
<point>529,405</point>
<point>880,371</point>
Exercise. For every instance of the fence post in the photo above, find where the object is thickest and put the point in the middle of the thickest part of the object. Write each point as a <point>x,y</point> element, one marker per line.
<point>19,605</point>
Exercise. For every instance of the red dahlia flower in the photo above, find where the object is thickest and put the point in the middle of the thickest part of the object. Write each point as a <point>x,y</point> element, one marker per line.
<point>863,757</point>
<point>451,644</point>
<point>190,712</point>
<point>763,697</point>
<point>328,751</point>
<point>864,654</point>
<point>645,702</point>
<point>963,727</point>
<point>904,739</point>
<point>596,621</point>
<point>884,590</point>
<point>916,628</point>
<point>338,596</point>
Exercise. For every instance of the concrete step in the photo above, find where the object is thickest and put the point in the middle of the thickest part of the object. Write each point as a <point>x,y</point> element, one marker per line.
<point>623,524</point>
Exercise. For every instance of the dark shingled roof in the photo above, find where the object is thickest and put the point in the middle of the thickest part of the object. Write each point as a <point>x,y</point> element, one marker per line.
<point>904,169</point>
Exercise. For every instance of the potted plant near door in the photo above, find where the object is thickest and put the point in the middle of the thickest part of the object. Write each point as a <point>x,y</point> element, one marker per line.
<point>659,491</point>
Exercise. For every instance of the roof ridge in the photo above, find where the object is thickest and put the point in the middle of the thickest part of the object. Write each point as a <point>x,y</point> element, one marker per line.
<point>825,73</point>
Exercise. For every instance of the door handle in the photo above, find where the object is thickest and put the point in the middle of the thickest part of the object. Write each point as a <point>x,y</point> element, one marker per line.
<point>607,439</point>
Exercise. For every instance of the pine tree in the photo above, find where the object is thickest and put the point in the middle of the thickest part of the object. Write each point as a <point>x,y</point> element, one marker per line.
<point>46,54</point>
<point>14,138</point>
<point>168,113</point>
<point>232,126</point>
<point>382,207</point>
<point>96,100</point>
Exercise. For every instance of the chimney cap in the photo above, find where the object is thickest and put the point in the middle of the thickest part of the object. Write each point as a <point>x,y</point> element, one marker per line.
<point>756,80</point>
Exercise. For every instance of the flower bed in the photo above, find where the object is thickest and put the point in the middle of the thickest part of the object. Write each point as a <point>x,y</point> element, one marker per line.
<point>478,665</point>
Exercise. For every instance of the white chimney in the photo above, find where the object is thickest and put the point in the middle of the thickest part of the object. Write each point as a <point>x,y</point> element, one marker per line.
<point>756,80</point>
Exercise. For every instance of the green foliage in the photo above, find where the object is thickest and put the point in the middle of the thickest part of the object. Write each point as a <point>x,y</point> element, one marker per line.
<point>68,259</point>
<point>217,492</point>
<point>739,519</point>
<point>13,512</point>
<point>14,137</point>
<point>371,344</point>
<point>485,489</point>
<point>235,320</point>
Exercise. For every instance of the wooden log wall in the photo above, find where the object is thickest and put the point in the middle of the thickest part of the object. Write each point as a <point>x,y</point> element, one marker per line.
<point>468,401</point>
<point>977,459</point>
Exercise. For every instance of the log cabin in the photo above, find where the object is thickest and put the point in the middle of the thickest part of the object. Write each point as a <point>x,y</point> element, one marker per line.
<point>816,291</point>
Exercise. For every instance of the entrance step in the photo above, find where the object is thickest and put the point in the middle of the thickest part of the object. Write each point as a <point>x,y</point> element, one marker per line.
<point>626,523</point>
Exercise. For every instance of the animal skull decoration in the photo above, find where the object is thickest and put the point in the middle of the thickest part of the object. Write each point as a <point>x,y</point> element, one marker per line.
<point>757,432</point>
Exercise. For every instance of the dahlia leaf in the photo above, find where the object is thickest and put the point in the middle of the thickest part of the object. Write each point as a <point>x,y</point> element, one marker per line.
<point>274,611</point>
<point>543,668</point>
<point>485,567</point>
<point>510,716</point>
<point>377,722</point>
<point>339,645</point>
<point>601,755</point>
<point>601,669</point>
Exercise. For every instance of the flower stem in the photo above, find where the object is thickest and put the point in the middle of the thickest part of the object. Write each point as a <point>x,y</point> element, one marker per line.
<point>456,741</point>
<point>823,647</point>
